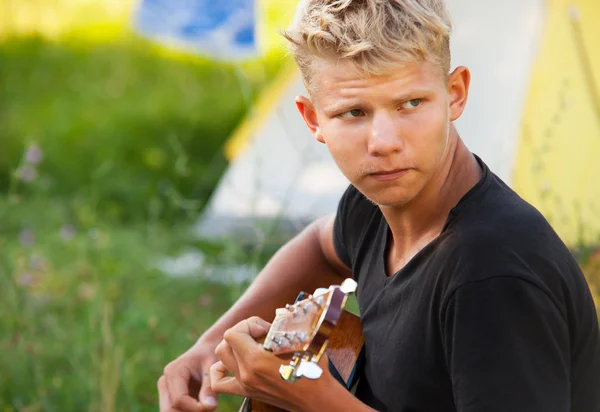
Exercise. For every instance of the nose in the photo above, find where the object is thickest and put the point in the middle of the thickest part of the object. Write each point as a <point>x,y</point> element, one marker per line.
<point>385,138</point>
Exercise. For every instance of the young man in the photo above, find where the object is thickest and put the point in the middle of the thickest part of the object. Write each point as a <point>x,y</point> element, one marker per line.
<point>468,299</point>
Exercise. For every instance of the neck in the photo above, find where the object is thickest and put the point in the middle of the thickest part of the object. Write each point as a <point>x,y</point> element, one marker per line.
<point>417,223</point>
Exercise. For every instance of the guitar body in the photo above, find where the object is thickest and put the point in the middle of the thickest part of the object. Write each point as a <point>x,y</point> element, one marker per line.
<point>344,350</point>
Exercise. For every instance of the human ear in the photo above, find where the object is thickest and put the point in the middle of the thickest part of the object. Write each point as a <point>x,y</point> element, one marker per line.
<point>309,114</point>
<point>458,90</point>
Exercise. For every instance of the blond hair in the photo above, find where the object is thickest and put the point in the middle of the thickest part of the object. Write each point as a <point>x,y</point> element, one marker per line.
<point>375,35</point>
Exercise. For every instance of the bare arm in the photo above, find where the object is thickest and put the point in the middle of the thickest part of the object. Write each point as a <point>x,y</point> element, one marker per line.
<point>305,263</point>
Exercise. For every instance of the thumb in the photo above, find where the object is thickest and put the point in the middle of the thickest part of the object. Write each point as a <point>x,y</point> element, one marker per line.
<point>207,397</point>
<point>258,327</point>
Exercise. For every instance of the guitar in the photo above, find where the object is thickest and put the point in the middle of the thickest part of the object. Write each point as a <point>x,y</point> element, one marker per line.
<point>312,326</point>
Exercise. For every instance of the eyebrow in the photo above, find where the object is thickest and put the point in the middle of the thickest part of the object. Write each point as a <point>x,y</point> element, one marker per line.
<point>345,105</point>
<point>340,106</point>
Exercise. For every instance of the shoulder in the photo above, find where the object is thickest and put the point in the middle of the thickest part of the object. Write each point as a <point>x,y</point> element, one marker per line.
<point>499,225</point>
<point>500,235</point>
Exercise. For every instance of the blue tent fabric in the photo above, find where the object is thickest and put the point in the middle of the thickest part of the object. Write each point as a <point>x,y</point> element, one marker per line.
<point>221,29</point>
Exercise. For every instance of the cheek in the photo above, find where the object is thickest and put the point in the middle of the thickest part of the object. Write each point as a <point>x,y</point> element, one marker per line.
<point>430,129</point>
<point>346,146</point>
<point>341,140</point>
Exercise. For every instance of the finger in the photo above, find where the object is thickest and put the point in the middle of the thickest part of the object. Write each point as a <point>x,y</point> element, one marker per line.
<point>242,345</point>
<point>225,354</point>
<point>258,327</point>
<point>221,382</point>
<point>252,360</point>
<point>187,404</point>
<point>242,337</point>
<point>254,326</point>
<point>208,397</point>
<point>164,401</point>
<point>177,386</point>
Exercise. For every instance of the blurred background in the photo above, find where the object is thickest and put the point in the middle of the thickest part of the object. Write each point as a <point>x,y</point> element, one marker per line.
<point>151,161</point>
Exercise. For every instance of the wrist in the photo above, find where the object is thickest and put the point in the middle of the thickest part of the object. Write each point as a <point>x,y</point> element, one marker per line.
<point>207,342</point>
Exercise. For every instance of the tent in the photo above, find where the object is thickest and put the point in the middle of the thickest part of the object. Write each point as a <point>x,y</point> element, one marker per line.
<point>533,115</point>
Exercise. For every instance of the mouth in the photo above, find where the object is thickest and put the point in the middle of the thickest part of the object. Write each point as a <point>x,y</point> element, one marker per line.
<point>389,174</point>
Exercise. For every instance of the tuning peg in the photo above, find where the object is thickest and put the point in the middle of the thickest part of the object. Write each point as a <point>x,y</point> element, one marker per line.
<point>289,336</point>
<point>320,291</point>
<point>300,367</point>
<point>292,308</point>
<point>319,301</point>
<point>288,372</point>
<point>278,340</point>
<point>301,337</point>
<point>309,369</point>
<point>348,286</point>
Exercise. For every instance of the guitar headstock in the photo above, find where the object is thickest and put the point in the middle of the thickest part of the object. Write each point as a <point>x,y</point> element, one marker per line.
<point>302,329</point>
<point>295,325</point>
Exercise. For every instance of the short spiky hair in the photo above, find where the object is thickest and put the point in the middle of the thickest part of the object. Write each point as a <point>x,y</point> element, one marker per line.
<point>376,35</point>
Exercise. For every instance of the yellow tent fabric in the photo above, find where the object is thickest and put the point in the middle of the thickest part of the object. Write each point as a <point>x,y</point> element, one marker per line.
<point>240,139</point>
<point>558,166</point>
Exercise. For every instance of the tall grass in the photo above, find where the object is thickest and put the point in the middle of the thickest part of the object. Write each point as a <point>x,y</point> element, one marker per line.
<point>110,146</point>
<point>88,322</point>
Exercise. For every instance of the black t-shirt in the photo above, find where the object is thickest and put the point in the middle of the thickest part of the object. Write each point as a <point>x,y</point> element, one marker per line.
<point>492,315</point>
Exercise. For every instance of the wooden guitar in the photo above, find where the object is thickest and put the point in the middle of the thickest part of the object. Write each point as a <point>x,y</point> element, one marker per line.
<point>310,327</point>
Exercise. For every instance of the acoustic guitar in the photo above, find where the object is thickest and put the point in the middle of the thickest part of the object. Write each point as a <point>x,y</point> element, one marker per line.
<point>307,329</point>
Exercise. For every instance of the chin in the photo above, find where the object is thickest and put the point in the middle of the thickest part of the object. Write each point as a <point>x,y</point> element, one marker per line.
<point>390,202</point>
<point>389,197</point>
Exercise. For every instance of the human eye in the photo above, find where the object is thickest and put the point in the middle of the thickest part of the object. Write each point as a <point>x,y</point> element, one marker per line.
<point>352,114</point>
<point>412,104</point>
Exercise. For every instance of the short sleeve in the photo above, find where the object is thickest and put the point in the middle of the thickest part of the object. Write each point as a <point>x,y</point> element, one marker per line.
<point>339,226</point>
<point>507,347</point>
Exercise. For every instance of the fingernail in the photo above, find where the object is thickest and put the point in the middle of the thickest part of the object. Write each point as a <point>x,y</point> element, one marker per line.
<point>209,400</point>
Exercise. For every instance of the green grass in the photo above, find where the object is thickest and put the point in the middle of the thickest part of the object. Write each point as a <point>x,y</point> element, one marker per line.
<point>121,120</point>
<point>88,322</point>
<point>131,135</point>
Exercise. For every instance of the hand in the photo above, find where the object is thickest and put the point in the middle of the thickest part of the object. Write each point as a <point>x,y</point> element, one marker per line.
<point>185,384</point>
<point>256,371</point>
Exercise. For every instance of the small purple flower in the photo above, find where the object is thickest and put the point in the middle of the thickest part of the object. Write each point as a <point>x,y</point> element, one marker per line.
<point>67,232</point>
<point>27,237</point>
<point>27,173</point>
<point>25,279</point>
<point>34,154</point>
<point>36,262</point>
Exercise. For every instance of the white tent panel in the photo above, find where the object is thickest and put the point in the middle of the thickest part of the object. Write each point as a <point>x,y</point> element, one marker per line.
<point>284,173</point>
<point>498,42</point>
